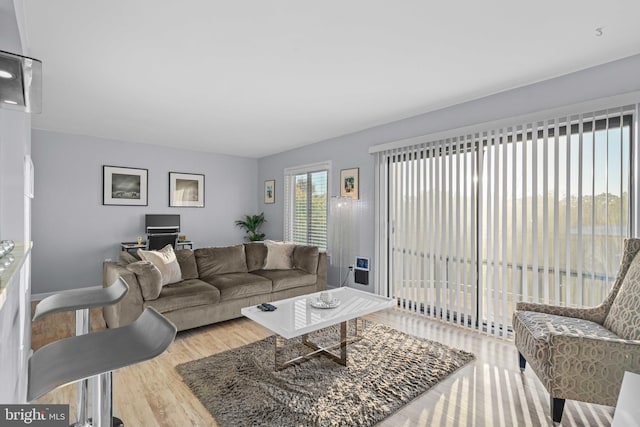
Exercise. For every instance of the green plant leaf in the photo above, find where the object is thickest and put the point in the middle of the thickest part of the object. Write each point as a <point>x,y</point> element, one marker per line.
<point>252,223</point>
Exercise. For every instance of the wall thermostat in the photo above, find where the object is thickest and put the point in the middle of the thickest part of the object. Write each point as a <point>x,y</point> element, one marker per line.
<point>361,271</point>
<point>362,263</point>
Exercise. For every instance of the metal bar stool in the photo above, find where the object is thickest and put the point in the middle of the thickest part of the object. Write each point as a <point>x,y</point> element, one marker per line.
<point>86,355</point>
<point>82,300</point>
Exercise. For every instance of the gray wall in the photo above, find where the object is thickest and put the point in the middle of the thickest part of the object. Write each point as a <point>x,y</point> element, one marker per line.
<point>15,140</point>
<point>15,143</point>
<point>73,232</point>
<point>348,151</point>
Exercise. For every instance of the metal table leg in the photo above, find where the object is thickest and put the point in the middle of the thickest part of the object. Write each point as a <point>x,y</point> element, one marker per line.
<point>317,350</point>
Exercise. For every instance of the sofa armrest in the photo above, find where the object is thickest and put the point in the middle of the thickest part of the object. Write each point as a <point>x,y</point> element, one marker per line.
<point>321,282</point>
<point>589,368</point>
<point>594,314</point>
<point>130,307</point>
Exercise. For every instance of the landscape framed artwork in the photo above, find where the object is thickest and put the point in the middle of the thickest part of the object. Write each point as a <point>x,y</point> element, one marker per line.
<point>124,186</point>
<point>186,190</point>
<point>350,183</point>
<point>270,191</point>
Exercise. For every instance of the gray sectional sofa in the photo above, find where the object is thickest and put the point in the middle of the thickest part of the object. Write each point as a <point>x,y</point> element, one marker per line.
<point>215,283</point>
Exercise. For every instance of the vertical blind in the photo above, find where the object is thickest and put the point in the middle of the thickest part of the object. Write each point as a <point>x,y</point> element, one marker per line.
<point>472,224</point>
<point>306,205</point>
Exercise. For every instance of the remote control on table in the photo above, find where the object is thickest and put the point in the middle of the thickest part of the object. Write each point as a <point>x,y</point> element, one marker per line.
<point>267,307</point>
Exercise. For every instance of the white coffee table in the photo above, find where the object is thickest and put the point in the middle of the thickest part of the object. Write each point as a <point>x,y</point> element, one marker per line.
<point>296,317</point>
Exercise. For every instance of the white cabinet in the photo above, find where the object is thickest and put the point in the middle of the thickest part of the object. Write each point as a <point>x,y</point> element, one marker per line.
<point>15,327</point>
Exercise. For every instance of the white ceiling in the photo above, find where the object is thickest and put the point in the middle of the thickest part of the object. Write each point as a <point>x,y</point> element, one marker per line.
<point>257,77</point>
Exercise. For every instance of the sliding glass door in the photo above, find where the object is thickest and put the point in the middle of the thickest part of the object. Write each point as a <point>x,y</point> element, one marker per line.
<point>432,241</point>
<point>535,212</point>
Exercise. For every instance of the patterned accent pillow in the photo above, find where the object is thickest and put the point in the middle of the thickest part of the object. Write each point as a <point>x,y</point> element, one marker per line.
<point>279,255</point>
<point>623,318</point>
<point>166,261</point>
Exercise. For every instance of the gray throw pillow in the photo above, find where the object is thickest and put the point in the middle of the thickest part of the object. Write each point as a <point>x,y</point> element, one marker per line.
<point>149,278</point>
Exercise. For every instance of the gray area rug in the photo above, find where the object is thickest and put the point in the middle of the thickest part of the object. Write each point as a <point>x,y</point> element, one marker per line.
<point>386,370</point>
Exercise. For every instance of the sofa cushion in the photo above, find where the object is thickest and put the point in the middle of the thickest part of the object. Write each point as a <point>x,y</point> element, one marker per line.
<point>623,318</point>
<point>187,261</point>
<point>287,279</point>
<point>125,258</point>
<point>239,285</point>
<point>165,260</point>
<point>306,258</point>
<point>213,261</point>
<point>279,255</point>
<point>188,293</point>
<point>256,252</point>
<point>149,278</point>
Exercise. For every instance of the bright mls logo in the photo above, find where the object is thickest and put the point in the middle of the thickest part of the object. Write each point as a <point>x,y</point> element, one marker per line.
<point>34,415</point>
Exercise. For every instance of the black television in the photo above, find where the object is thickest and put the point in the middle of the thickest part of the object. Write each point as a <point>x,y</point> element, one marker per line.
<point>161,223</point>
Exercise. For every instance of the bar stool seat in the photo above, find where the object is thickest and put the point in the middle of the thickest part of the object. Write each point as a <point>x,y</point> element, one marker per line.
<point>72,359</point>
<point>78,299</point>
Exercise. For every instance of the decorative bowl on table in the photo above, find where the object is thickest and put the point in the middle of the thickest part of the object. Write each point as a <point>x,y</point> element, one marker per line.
<point>318,303</point>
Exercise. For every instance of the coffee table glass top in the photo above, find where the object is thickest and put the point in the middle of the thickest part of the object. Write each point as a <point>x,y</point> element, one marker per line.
<point>295,316</point>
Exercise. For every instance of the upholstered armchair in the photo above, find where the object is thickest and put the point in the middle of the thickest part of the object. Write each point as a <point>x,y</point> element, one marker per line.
<point>582,353</point>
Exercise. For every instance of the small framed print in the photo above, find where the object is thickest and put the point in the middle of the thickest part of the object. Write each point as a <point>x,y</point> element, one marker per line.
<point>186,190</point>
<point>270,191</point>
<point>349,183</point>
<point>122,186</point>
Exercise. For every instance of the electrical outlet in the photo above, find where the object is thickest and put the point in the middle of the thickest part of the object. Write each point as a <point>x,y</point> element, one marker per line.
<point>107,260</point>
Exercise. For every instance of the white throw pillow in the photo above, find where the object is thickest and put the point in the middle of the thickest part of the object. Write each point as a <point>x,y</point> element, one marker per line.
<point>165,260</point>
<point>279,255</point>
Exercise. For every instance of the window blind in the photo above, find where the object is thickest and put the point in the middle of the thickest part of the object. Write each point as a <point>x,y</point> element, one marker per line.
<point>306,197</point>
<point>471,224</point>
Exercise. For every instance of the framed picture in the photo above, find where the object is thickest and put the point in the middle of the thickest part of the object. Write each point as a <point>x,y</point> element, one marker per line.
<point>270,191</point>
<point>186,190</point>
<point>349,183</point>
<point>122,186</point>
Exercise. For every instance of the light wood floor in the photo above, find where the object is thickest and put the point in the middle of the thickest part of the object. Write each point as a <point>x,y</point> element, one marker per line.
<point>489,391</point>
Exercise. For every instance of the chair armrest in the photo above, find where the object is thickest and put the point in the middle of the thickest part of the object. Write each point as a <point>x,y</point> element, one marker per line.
<point>594,314</point>
<point>589,368</point>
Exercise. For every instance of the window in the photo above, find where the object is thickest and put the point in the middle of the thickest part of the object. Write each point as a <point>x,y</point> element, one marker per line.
<point>536,212</point>
<point>306,202</point>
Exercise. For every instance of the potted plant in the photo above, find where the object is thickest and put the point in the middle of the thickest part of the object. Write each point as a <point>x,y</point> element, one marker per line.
<point>252,224</point>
